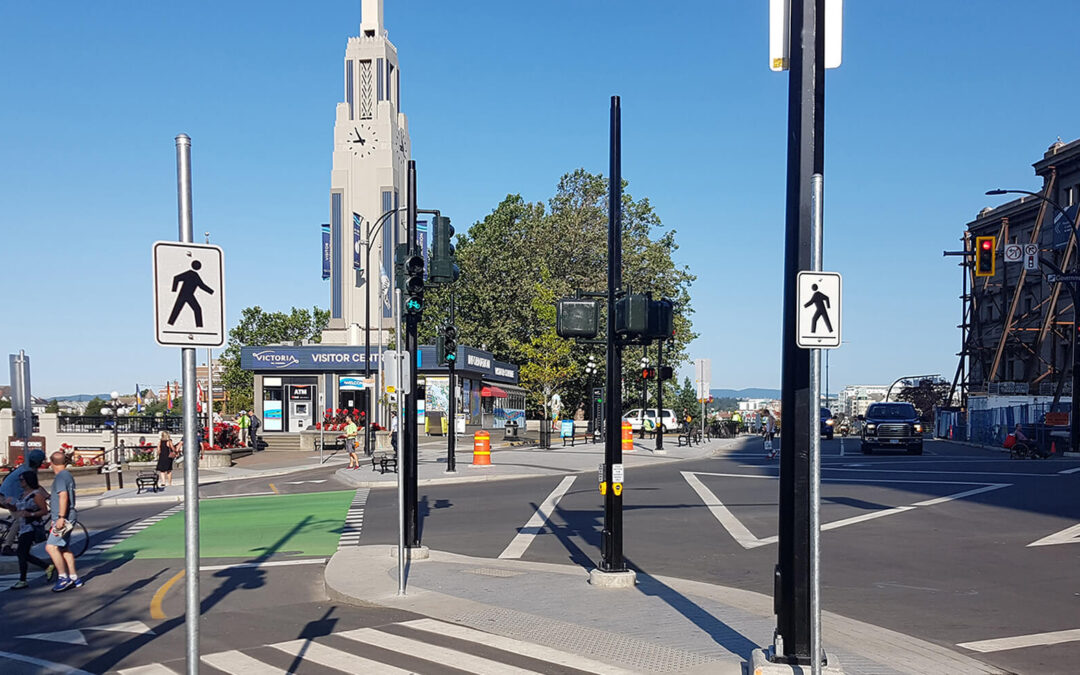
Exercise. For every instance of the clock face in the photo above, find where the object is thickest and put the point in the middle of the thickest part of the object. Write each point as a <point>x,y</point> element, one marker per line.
<point>362,140</point>
<point>401,147</point>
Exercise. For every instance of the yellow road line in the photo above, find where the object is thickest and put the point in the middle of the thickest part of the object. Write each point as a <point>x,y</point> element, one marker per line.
<point>274,488</point>
<point>155,603</point>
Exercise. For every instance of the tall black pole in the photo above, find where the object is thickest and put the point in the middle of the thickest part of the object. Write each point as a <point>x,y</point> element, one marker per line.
<point>806,129</point>
<point>644,388</point>
<point>451,426</point>
<point>408,412</point>
<point>612,545</point>
<point>367,341</point>
<point>660,394</point>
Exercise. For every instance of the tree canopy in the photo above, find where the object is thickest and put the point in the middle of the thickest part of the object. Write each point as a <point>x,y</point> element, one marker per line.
<point>927,394</point>
<point>259,327</point>
<point>525,255</point>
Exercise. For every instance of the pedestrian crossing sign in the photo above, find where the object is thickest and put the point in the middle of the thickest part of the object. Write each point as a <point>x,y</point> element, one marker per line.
<point>819,310</point>
<point>189,294</point>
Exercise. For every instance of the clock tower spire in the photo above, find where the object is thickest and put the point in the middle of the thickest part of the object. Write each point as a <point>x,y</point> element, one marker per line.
<point>367,180</point>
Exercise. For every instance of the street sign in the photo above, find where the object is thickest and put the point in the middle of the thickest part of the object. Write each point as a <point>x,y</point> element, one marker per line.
<point>702,377</point>
<point>390,359</point>
<point>1013,253</point>
<point>189,294</point>
<point>819,310</point>
<point>1063,278</point>
<point>780,33</point>
<point>1031,257</point>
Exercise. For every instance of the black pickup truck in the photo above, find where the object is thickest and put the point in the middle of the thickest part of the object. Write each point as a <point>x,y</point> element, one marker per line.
<point>892,425</point>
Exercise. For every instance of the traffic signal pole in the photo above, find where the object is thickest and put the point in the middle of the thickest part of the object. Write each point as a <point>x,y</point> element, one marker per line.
<point>451,426</point>
<point>806,129</point>
<point>612,539</point>
<point>408,466</point>
<point>660,394</point>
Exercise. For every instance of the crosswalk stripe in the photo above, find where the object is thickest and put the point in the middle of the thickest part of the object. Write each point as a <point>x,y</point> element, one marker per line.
<point>335,658</point>
<point>354,520</point>
<point>134,529</point>
<point>435,653</point>
<point>238,663</point>
<point>510,645</point>
<point>151,669</point>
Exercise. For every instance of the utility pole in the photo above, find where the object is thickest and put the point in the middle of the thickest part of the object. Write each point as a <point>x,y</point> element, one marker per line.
<point>806,130</point>
<point>660,395</point>
<point>451,426</point>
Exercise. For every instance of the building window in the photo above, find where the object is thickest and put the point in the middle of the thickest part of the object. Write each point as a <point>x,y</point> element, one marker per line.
<point>397,88</point>
<point>389,81</point>
<point>335,255</point>
<point>349,87</point>
<point>381,84</point>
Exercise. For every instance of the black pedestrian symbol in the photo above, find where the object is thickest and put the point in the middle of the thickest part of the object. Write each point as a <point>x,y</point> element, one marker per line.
<point>189,282</point>
<point>821,301</point>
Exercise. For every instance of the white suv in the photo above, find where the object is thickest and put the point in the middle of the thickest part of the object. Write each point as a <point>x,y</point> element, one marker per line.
<point>650,419</point>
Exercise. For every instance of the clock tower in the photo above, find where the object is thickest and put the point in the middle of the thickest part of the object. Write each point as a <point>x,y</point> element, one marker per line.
<point>367,180</point>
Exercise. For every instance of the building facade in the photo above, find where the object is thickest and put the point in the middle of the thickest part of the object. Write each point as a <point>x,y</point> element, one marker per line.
<point>1017,325</point>
<point>854,399</point>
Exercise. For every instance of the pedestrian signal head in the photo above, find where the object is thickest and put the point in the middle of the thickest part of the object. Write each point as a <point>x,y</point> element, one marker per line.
<point>985,262</point>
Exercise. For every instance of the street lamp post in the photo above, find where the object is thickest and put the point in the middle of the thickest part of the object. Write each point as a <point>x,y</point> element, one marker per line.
<point>113,405</point>
<point>590,373</point>
<point>1074,290</point>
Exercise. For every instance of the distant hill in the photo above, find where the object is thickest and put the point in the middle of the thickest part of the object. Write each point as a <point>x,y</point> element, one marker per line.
<point>752,392</point>
<point>80,398</point>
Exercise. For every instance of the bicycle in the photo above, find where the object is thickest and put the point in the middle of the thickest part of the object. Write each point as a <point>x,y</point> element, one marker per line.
<point>78,540</point>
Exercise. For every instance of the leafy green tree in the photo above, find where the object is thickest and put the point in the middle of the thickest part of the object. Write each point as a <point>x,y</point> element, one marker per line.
<point>925,396</point>
<point>4,403</point>
<point>686,401</point>
<point>259,327</point>
<point>53,406</point>
<point>523,252</point>
<point>93,407</point>
<point>547,364</point>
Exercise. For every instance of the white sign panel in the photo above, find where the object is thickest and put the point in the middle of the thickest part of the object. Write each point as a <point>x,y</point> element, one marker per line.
<point>1013,253</point>
<point>703,377</point>
<point>780,33</point>
<point>1031,257</point>
<point>617,473</point>
<point>189,294</point>
<point>819,310</point>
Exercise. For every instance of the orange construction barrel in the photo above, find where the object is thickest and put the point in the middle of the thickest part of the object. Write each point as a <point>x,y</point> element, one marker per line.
<point>627,437</point>
<point>481,450</point>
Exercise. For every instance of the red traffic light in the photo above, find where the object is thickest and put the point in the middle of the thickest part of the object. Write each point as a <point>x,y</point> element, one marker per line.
<point>987,244</point>
<point>648,373</point>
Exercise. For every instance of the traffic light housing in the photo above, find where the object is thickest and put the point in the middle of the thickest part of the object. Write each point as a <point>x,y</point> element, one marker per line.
<point>444,269</point>
<point>985,258</point>
<point>449,335</point>
<point>401,252</point>
<point>631,314</point>
<point>661,319</point>
<point>414,285</point>
<point>666,372</point>
<point>577,318</point>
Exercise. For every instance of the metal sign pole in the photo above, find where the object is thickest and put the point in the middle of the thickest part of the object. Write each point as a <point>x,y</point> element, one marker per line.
<point>191,450</point>
<point>400,439</point>
<point>816,232</point>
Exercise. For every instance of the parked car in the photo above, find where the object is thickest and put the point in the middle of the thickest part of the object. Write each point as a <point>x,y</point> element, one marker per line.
<point>827,423</point>
<point>650,419</point>
<point>892,425</point>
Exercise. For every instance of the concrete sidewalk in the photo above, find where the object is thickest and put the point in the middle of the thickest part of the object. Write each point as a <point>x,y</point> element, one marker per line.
<point>664,625</point>
<point>509,462</point>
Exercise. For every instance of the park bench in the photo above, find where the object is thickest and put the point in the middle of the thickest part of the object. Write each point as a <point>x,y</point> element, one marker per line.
<point>384,455</point>
<point>688,434</point>
<point>146,480</point>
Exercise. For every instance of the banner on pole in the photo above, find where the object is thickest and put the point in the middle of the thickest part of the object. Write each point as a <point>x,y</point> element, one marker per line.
<point>703,377</point>
<point>356,227</point>
<point>326,252</point>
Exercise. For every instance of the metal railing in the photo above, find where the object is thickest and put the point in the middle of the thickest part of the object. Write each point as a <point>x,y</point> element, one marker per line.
<point>82,424</point>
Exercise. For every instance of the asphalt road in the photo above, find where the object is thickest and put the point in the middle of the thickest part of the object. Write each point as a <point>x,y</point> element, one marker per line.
<point>936,546</point>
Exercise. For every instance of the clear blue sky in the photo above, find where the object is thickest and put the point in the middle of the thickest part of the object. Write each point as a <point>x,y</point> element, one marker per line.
<point>934,104</point>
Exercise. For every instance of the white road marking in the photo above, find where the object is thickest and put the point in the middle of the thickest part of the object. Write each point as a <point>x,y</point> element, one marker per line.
<point>267,563</point>
<point>151,669</point>
<point>1072,470</point>
<point>511,645</point>
<point>525,535</point>
<point>301,482</point>
<point>134,529</point>
<point>238,663</point>
<point>746,538</point>
<point>337,659</point>
<point>1070,535</point>
<point>435,653</point>
<point>62,636</point>
<point>76,635</point>
<point>1033,640</point>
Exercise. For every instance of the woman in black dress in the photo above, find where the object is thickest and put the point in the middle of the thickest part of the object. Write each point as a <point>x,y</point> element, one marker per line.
<point>167,452</point>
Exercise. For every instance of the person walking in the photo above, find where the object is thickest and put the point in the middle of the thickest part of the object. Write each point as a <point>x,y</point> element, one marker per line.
<point>770,431</point>
<point>244,422</point>
<point>350,442</point>
<point>62,507</point>
<point>11,490</point>
<point>254,431</point>
<point>31,514</point>
<point>167,453</point>
<point>393,431</point>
